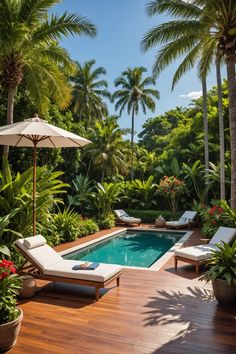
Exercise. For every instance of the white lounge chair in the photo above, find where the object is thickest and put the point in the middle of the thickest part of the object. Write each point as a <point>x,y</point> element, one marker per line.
<point>185,220</point>
<point>123,217</point>
<point>48,265</point>
<point>197,255</point>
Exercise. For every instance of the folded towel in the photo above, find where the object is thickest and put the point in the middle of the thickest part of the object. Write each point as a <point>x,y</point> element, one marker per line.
<point>85,266</point>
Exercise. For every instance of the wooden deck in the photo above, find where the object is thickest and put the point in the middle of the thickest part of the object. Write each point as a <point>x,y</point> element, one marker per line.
<point>151,312</point>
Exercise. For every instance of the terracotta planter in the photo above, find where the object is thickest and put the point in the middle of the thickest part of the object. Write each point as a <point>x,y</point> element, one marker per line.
<point>9,332</point>
<point>225,294</point>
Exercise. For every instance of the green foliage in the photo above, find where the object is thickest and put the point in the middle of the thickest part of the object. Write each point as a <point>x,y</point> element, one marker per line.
<point>107,153</point>
<point>27,32</point>
<point>106,223</point>
<point>196,176</point>
<point>171,189</point>
<point>141,194</point>
<point>222,264</point>
<point>88,91</point>
<point>149,216</point>
<point>87,227</point>
<point>16,199</point>
<point>81,189</point>
<point>104,198</point>
<point>66,224</point>
<point>10,284</point>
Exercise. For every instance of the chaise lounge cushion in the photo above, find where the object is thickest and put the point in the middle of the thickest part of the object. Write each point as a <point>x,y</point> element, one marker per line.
<point>34,241</point>
<point>43,256</point>
<point>51,263</point>
<point>64,269</point>
<point>124,217</point>
<point>196,253</point>
<point>225,234</point>
<point>201,252</point>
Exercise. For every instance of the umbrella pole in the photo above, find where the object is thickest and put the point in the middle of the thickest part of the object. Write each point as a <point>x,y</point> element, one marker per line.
<point>34,189</point>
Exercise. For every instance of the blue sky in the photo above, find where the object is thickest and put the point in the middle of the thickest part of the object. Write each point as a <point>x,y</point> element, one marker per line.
<point>121,25</point>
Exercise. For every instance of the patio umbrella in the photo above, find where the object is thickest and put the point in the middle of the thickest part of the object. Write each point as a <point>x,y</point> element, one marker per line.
<point>35,132</point>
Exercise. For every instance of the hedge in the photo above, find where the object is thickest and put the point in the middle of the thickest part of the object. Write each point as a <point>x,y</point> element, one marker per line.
<point>149,216</point>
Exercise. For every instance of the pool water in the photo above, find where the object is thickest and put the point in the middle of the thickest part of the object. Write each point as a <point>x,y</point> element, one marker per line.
<point>129,248</point>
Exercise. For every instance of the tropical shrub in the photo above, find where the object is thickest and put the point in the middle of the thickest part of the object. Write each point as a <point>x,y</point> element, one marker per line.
<point>104,198</point>
<point>16,199</point>
<point>141,194</point>
<point>66,224</point>
<point>10,284</point>
<point>214,218</point>
<point>107,222</point>
<point>149,216</point>
<point>171,189</point>
<point>87,227</point>
<point>222,264</point>
<point>81,189</point>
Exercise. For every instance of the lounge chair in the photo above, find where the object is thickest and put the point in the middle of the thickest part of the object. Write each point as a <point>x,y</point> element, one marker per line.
<point>123,217</point>
<point>48,265</point>
<point>197,255</point>
<point>185,220</point>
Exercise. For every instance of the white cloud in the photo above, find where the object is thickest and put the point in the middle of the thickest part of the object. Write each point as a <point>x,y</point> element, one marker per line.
<point>192,95</point>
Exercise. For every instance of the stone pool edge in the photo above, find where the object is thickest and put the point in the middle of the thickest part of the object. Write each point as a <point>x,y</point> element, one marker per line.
<point>155,266</point>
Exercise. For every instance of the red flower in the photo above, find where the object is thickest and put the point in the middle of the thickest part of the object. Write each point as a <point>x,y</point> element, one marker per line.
<point>213,222</point>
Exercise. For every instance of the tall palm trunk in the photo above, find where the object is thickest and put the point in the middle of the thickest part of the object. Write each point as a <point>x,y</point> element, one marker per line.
<point>132,145</point>
<point>232,122</point>
<point>10,110</point>
<point>205,123</point>
<point>221,130</point>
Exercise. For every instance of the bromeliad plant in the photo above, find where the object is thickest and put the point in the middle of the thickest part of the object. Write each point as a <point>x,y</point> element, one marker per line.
<point>222,264</point>
<point>171,189</point>
<point>10,284</point>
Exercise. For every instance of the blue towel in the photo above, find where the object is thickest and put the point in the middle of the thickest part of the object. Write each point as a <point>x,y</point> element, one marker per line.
<point>91,266</point>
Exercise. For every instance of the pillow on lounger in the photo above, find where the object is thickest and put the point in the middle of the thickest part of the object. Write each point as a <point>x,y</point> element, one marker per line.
<point>34,241</point>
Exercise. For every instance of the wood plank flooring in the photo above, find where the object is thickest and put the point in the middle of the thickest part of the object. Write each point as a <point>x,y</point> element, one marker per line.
<point>151,312</point>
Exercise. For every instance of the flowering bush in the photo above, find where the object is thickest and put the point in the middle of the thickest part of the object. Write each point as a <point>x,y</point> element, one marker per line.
<point>10,284</point>
<point>171,189</point>
<point>213,219</point>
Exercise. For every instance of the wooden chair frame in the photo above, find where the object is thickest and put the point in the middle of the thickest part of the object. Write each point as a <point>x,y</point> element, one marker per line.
<point>191,261</point>
<point>35,271</point>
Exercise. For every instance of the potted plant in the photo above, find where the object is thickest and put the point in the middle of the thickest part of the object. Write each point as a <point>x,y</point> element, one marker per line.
<point>10,315</point>
<point>222,273</point>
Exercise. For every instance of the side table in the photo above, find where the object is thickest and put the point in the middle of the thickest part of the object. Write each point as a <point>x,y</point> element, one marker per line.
<point>160,223</point>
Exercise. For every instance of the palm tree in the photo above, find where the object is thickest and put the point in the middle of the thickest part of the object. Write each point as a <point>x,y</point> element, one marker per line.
<point>221,128</point>
<point>29,51</point>
<point>203,29</point>
<point>107,152</point>
<point>88,91</point>
<point>135,92</point>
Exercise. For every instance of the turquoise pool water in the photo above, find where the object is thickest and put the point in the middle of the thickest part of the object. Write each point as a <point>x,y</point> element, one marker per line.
<point>129,248</point>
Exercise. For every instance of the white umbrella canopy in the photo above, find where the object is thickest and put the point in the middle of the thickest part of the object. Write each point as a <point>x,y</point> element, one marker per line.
<point>35,132</point>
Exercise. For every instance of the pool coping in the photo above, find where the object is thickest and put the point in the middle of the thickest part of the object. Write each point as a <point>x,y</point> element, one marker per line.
<point>156,265</point>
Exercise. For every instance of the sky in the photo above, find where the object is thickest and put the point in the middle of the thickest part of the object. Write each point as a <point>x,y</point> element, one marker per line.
<point>121,25</point>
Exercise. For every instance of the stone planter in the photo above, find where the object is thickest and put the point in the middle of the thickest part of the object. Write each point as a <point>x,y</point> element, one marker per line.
<point>9,332</point>
<point>28,288</point>
<point>225,294</point>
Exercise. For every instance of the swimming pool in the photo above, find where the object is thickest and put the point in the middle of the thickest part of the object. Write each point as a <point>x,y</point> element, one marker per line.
<point>132,248</point>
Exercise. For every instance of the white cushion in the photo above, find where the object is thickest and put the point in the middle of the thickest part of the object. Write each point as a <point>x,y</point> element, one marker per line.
<point>196,253</point>
<point>34,241</point>
<point>43,256</point>
<point>177,223</point>
<point>225,234</point>
<point>189,215</point>
<point>130,219</point>
<point>64,269</point>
